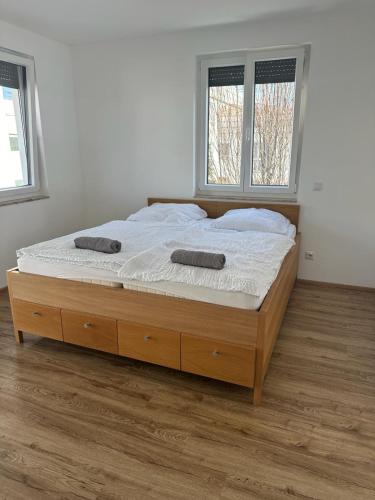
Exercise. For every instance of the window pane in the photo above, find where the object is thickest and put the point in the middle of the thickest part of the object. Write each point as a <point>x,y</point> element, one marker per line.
<point>274,97</point>
<point>13,163</point>
<point>225,115</point>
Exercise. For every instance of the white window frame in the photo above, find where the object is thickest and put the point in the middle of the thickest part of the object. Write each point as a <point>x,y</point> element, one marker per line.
<point>34,186</point>
<point>248,58</point>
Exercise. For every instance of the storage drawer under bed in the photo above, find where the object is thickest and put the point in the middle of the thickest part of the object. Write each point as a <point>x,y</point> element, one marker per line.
<point>37,319</point>
<point>151,344</point>
<point>218,360</point>
<point>89,330</point>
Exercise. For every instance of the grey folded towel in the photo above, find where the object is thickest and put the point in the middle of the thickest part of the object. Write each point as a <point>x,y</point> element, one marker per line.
<point>198,259</point>
<point>105,245</point>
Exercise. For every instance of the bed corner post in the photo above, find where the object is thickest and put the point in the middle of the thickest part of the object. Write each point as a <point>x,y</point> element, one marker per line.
<point>19,336</point>
<point>259,361</point>
<point>17,333</point>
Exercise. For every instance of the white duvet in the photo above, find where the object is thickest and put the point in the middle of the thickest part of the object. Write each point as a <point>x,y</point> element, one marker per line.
<point>253,259</point>
<point>135,237</point>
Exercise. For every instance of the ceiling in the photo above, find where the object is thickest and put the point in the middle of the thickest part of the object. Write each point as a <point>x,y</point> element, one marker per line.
<point>85,21</point>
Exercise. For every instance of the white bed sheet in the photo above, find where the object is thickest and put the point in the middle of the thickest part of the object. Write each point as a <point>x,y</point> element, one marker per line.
<point>241,300</point>
<point>52,259</point>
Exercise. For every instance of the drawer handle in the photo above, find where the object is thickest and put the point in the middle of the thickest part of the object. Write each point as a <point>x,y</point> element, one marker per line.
<point>146,338</point>
<point>215,353</point>
<point>87,325</point>
<point>36,314</point>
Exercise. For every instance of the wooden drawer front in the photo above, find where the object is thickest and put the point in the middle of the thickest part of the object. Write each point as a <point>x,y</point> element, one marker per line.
<point>90,331</point>
<point>40,320</point>
<point>218,360</point>
<point>154,345</point>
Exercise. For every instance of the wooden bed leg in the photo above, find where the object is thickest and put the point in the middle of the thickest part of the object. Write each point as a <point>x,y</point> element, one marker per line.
<point>257,395</point>
<point>19,336</point>
<point>259,359</point>
<point>17,333</point>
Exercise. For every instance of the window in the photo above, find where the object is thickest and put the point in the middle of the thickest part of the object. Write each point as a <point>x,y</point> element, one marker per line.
<point>249,122</point>
<point>19,169</point>
<point>225,120</point>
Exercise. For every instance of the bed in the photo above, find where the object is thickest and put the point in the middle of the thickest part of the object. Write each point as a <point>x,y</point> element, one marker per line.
<point>226,336</point>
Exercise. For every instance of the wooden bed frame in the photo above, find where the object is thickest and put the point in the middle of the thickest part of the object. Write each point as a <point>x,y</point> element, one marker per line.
<point>225,343</point>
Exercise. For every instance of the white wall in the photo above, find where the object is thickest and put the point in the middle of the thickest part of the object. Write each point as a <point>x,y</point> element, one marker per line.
<point>28,223</point>
<point>135,101</point>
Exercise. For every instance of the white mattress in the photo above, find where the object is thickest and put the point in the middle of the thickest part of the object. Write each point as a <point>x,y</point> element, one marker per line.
<point>59,258</point>
<point>29,264</point>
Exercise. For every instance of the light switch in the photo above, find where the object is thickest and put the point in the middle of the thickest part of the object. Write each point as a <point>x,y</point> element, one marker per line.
<point>318,186</point>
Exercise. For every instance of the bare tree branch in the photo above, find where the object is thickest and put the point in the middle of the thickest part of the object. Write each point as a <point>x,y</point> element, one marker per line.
<point>273,131</point>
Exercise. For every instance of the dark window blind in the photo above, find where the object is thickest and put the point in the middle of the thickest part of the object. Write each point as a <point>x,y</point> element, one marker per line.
<point>226,75</point>
<point>12,75</point>
<point>275,71</point>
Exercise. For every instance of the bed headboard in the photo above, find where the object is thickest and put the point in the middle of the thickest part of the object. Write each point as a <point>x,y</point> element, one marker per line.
<point>216,208</point>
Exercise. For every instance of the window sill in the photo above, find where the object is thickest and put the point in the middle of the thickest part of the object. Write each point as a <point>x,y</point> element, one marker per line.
<point>26,199</point>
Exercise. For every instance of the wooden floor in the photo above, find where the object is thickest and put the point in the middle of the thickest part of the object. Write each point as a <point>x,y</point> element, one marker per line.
<point>77,424</point>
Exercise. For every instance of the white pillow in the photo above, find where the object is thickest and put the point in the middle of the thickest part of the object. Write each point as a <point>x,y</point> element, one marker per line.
<point>254,219</point>
<point>169,213</point>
